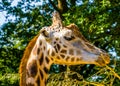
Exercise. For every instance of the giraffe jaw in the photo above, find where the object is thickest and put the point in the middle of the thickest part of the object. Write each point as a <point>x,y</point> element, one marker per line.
<point>99,60</point>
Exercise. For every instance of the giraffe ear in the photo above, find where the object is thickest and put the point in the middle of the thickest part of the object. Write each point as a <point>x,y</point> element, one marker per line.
<point>44,33</point>
<point>76,31</point>
<point>72,26</point>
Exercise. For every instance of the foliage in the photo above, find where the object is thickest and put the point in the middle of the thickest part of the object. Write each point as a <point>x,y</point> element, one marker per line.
<point>9,80</point>
<point>104,77</point>
<point>98,20</point>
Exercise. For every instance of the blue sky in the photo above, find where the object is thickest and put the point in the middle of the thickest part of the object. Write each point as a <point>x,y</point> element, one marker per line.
<point>2,17</point>
<point>14,3</point>
<point>3,13</point>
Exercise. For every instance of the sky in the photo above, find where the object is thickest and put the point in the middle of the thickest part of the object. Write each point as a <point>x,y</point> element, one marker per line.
<point>3,13</point>
<point>2,17</point>
<point>14,3</point>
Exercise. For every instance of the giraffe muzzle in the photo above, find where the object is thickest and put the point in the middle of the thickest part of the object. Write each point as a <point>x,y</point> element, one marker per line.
<point>103,59</point>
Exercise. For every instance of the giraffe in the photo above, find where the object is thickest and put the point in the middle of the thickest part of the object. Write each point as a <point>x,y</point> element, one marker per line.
<point>57,44</point>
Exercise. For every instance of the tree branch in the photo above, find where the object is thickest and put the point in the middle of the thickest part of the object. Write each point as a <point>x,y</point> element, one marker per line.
<point>61,7</point>
<point>53,5</point>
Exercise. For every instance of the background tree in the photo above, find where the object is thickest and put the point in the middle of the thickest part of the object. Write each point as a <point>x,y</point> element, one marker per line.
<point>98,20</point>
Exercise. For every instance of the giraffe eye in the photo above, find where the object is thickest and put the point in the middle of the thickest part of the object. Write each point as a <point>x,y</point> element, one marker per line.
<point>69,38</point>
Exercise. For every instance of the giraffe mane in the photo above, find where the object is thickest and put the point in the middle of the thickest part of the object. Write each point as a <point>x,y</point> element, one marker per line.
<point>22,68</point>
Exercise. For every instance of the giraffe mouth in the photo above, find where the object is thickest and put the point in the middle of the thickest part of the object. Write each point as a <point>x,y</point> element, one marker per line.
<point>103,60</point>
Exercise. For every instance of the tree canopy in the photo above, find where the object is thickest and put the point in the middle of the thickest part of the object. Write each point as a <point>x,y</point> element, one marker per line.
<point>98,21</point>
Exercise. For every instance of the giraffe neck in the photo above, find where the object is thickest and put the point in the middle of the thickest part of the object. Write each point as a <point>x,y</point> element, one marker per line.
<point>38,65</point>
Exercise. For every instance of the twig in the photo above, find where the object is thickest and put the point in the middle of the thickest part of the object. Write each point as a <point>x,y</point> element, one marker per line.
<point>115,74</point>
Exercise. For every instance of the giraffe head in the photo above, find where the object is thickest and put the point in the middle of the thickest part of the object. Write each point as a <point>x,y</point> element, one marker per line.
<point>57,44</point>
<point>66,45</point>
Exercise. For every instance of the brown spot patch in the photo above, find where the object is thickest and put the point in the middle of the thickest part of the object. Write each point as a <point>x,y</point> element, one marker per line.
<point>67,58</point>
<point>64,46</point>
<point>71,52</point>
<point>53,53</point>
<point>40,42</point>
<point>38,81</point>
<point>54,42</point>
<point>78,52</point>
<point>63,56</point>
<point>57,39</point>
<point>41,59</point>
<point>32,69</point>
<point>78,59</point>
<point>44,47</point>
<point>58,57</point>
<point>45,69</point>
<point>58,46</point>
<point>45,82</point>
<point>41,74</point>
<point>52,59</point>
<point>56,49</point>
<point>64,51</point>
<point>72,59</point>
<point>48,52</point>
<point>47,60</point>
<point>38,51</point>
